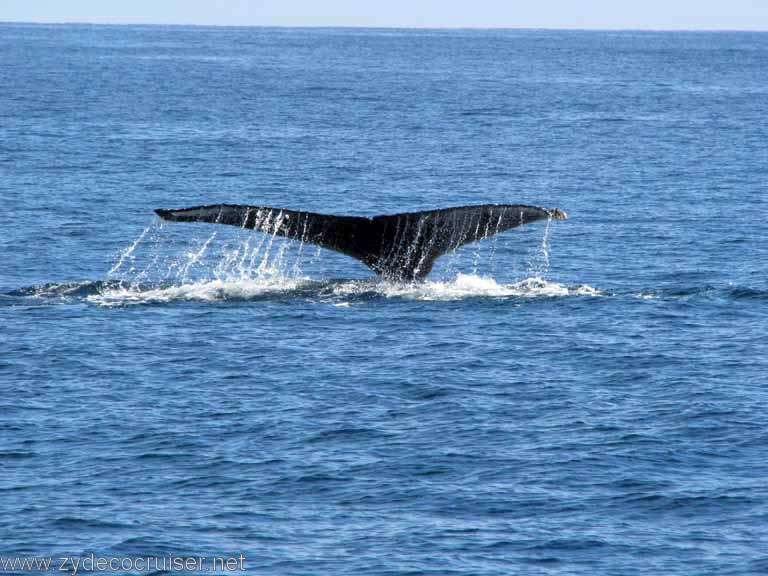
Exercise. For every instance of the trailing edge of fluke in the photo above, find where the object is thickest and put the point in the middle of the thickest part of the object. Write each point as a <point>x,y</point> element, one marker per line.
<point>399,246</point>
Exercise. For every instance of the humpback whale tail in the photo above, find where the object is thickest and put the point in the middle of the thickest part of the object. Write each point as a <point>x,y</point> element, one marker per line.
<point>400,246</point>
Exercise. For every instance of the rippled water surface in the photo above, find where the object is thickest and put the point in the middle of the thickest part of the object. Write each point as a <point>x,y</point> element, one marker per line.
<point>577,397</point>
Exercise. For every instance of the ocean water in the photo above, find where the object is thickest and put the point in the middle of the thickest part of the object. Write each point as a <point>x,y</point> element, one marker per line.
<point>578,397</point>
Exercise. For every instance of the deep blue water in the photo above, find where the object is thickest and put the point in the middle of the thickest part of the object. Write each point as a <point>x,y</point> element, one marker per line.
<point>584,397</point>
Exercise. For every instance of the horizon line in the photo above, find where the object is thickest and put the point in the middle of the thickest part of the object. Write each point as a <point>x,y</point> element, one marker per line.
<point>368,27</point>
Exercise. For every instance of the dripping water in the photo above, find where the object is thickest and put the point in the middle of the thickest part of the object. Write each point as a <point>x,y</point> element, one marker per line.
<point>232,261</point>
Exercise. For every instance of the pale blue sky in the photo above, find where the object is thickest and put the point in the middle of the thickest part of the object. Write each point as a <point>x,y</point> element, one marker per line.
<point>635,14</point>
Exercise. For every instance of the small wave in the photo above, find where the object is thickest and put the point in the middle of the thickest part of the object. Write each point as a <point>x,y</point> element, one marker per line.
<point>16,455</point>
<point>687,291</point>
<point>78,522</point>
<point>744,293</point>
<point>64,289</point>
<point>708,291</point>
<point>686,504</point>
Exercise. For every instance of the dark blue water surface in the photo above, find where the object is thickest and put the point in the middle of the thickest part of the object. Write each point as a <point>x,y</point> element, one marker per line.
<point>579,397</point>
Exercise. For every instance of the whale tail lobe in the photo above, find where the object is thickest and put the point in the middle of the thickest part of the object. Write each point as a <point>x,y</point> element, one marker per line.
<point>399,246</point>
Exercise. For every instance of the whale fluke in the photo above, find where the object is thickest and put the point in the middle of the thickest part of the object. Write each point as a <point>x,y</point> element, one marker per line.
<point>399,246</point>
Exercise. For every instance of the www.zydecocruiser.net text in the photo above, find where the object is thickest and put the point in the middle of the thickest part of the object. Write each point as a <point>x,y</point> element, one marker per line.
<point>85,564</point>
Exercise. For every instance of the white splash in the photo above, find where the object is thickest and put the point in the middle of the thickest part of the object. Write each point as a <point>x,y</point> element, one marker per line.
<point>241,265</point>
<point>464,286</point>
<point>127,253</point>
<point>201,291</point>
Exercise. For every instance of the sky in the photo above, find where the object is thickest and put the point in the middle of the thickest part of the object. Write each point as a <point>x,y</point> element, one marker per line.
<point>586,14</point>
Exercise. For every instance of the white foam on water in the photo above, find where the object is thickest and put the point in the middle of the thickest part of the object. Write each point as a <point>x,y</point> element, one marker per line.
<point>340,293</point>
<point>466,286</point>
<point>643,296</point>
<point>203,291</point>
